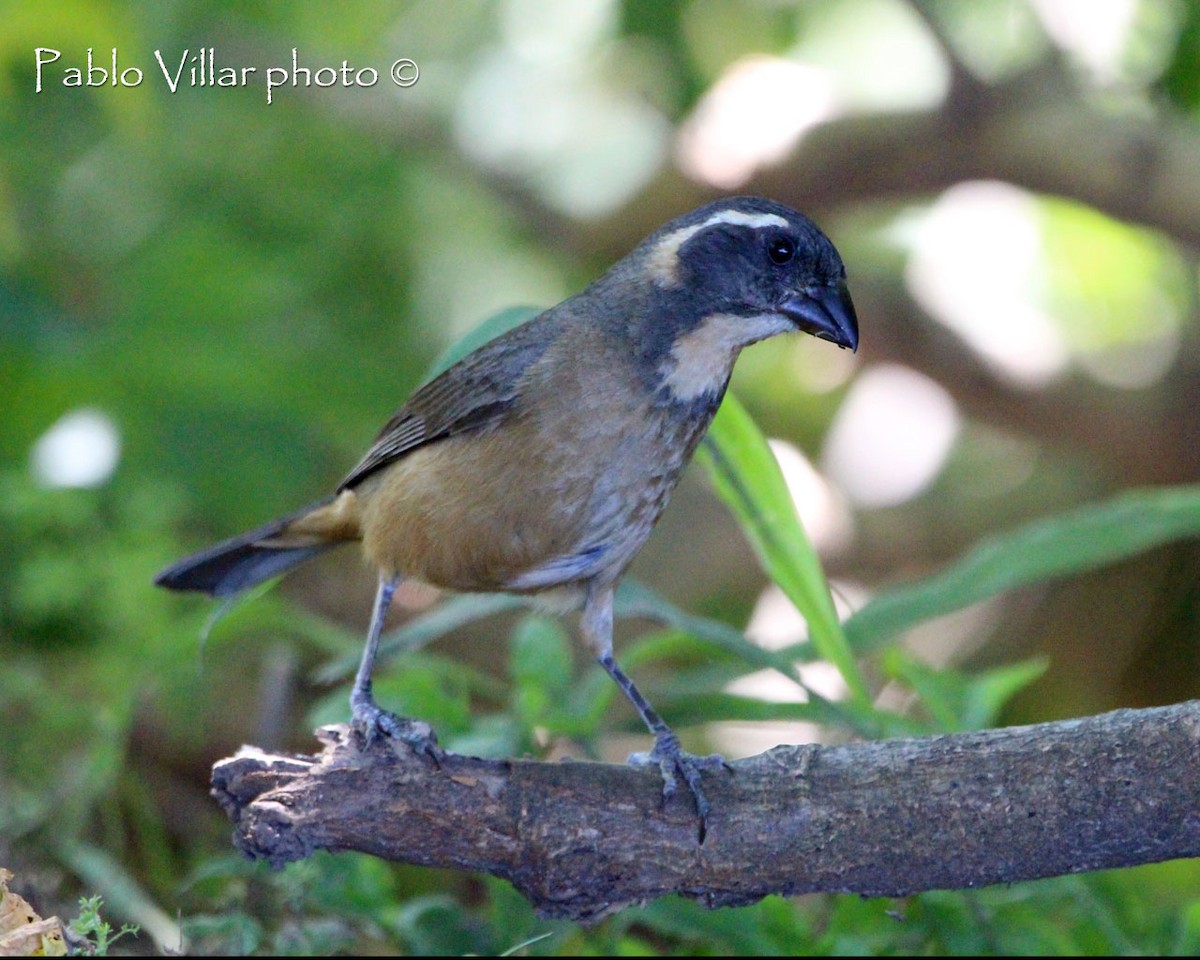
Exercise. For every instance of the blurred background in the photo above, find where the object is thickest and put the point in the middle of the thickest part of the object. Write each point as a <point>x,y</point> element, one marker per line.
<point>209,304</point>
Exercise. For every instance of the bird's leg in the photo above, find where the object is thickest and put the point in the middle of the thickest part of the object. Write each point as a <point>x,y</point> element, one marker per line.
<point>369,717</point>
<point>668,755</point>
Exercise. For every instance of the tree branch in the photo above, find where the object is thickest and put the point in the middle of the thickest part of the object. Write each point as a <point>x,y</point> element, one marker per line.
<point>891,818</point>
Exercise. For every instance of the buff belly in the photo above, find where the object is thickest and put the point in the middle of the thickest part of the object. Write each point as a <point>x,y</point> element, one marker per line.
<point>446,514</point>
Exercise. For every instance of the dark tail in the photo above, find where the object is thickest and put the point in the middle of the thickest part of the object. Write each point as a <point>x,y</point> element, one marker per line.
<point>246,561</point>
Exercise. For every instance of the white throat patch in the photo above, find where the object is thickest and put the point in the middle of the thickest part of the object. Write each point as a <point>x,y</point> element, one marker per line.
<point>702,359</point>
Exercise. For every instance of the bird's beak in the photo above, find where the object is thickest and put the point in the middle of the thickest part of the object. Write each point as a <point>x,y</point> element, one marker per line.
<point>826,312</point>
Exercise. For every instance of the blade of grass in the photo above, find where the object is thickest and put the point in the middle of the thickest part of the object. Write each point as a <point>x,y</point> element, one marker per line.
<point>635,599</point>
<point>1084,539</point>
<point>747,477</point>
<point>489,330</point>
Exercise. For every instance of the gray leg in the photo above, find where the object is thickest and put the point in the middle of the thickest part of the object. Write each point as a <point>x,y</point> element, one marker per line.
<point>670,758</point>
<point>371,719</point>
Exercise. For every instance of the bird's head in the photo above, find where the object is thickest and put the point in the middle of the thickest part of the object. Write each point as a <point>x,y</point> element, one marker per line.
<point>752,257</point>
<point>729,274</point>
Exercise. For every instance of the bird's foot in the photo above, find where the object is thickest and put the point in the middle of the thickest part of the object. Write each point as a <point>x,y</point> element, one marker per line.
<point>671,759</point>
<point>373,722</point>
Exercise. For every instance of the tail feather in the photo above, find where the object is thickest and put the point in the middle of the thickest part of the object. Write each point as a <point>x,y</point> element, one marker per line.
<point>245,561</point>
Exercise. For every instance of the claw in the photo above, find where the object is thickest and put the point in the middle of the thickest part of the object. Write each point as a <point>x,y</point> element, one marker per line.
<point>373,722</point>
<point>671,758</point>
<point>370,720</point>
<point>667,754</point>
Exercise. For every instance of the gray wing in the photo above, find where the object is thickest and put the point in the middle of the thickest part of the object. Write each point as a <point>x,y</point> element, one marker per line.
<point>476,392</point>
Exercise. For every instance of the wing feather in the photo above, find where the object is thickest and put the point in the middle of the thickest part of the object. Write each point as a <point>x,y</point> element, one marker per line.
<point>478,391</point>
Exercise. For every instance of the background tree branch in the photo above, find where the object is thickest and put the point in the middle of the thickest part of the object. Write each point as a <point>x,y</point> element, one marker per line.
<point>889,818</point>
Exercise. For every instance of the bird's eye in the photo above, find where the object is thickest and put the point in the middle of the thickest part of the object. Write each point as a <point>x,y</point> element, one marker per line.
<point>781,250</point>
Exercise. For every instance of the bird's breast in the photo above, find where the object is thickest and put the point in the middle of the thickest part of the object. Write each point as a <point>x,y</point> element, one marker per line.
<point>566,489</point>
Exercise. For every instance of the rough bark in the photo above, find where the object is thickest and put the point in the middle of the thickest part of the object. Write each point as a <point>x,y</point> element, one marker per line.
<point>889,818</point>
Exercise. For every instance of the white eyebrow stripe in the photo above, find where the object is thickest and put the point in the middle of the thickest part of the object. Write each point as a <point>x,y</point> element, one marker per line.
<point>753,220</point>
<point>665,256</point>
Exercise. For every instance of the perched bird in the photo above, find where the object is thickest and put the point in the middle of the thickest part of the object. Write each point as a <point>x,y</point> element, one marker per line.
<point>541,461</point>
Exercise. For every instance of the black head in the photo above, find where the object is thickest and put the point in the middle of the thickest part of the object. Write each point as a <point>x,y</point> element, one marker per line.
<point>753,258</point>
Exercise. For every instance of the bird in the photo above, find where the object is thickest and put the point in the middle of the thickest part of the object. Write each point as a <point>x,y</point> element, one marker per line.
<point>539,463</point>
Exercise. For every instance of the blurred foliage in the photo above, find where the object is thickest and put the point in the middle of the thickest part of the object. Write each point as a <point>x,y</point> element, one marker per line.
<point>243,292</point>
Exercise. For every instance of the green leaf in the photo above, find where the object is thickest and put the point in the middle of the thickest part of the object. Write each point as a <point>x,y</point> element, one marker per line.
<point>486,332</point>
<point>958,701</point>
<point>1081,540</point>
<point>773,927</point>
<point>715,707</point>
<point>541,666</point>
<point>635,599</point>
<point>989,692</point>
<point>445,693</point>
<point>728,662</point>
<point>1180,80</point>
<point>236,933</point>
<point>435,926</point>
<point>747,477</point>
<point>1187,936</point>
